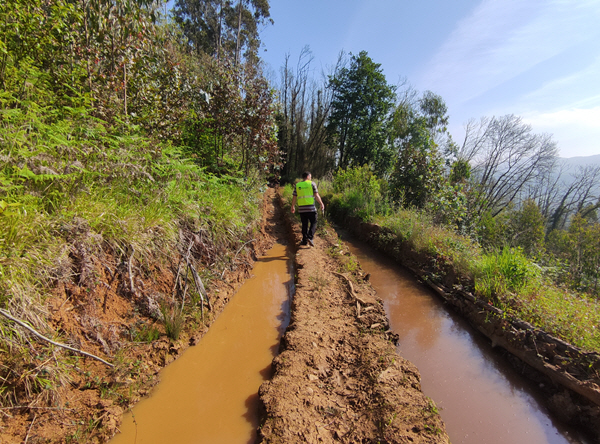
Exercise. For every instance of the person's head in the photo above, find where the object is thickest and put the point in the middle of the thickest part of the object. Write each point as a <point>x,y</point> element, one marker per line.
<point>306,175</point>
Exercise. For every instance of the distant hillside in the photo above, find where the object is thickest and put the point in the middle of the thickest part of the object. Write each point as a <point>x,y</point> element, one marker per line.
<point>571,163</point>
<point>571,166</point>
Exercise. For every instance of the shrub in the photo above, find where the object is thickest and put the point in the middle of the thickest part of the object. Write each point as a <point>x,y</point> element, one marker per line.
<point>359,193</point>
<point>507,272</point>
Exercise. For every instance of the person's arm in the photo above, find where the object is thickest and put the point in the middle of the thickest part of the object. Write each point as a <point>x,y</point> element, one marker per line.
<point>293,204</point>
<point>318,199</point>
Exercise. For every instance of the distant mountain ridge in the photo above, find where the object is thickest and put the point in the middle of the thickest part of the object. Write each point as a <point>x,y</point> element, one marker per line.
<point>570,168</point>
<point>571,163</point>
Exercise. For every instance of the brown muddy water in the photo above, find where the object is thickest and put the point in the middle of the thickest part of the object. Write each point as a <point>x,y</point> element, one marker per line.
<point>482,400</point>
<point>210,394</point>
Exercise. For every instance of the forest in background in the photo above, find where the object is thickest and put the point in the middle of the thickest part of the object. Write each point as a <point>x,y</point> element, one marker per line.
<point>130,132</point>
<point>503,186</point>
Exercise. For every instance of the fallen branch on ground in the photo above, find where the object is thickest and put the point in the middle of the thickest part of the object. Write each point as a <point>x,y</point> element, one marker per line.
<point>44,338</point>
<point>240,249</point>
<point>200,286</point>
<point>352,292</point>
<point>197,281</point>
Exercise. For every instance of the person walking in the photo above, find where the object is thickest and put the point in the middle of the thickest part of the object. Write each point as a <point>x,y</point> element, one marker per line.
<point>305,194</point>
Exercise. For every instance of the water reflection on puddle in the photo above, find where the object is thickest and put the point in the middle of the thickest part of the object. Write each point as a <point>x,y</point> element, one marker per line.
<point>210,394</point>
<point>481,399</point>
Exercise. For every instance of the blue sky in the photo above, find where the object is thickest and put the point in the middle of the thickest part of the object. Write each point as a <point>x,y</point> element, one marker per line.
<point>538,59</point>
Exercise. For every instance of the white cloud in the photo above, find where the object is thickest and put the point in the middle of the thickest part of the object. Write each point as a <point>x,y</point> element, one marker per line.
<point>576,131</point>
<point>521,40</point>
<point>583,118</point>
<point>580,89</point>
<point>502,39</point>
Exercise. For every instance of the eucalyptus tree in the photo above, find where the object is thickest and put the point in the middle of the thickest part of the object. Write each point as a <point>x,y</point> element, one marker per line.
<point>72,48</point>
<point>417,125</point>
<point>433,109</point>
<point>223,27</point>
<point>305,104</point>
<point>362,102</point>
<point>249,16</point>
<point>258,136</point>
<point>419,167</point>
<point>201,22</point>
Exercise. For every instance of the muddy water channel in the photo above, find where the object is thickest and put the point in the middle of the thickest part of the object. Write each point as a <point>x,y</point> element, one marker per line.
<point>481,399</point>
<point>210,394</point>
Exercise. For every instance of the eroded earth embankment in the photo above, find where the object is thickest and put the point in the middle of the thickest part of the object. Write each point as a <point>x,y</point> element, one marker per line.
<point>338,377</point>
<point>117,316</point>
<point>568,376</point>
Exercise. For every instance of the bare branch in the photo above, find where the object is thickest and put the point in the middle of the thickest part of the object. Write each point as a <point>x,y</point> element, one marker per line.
<point>44,338</point>
<point>506,158</point>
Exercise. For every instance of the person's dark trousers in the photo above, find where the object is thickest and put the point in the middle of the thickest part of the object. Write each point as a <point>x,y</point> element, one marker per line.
<point>309,226</point>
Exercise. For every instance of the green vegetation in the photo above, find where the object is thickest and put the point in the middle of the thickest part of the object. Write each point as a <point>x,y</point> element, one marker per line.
<point>499,208</point>
<point>357,122</point>
<point>508,272</point>
<point>174,320</point>
<point>507,278</point>
<point>124,149</point>
<point>362,192</point>
<point>130,141</point>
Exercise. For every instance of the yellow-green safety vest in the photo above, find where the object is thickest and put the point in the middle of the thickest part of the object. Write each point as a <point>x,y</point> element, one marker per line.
<point>304,190</point>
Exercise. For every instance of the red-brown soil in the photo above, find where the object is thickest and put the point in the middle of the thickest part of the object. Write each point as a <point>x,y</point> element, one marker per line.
<point>338,377</point>
<point>89,398</point>
<point>569,376</point>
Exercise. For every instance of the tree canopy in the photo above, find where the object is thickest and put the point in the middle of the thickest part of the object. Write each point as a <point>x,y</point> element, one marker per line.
<point>361,104</point>
<point>507,156</point>
<point>223,27</point>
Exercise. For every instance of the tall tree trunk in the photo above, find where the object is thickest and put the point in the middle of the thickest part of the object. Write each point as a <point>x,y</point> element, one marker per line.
<point>125,86</point>
<point>87,46</point>
<point>239,31</point>
<point>219,32</point>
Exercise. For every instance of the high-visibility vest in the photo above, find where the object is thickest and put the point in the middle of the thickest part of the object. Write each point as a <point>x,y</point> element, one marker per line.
<point>304,191</point>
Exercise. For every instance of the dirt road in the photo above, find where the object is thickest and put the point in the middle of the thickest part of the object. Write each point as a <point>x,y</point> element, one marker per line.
<point>338,377</point>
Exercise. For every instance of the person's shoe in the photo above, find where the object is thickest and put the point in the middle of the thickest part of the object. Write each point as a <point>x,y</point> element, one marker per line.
<point>310,241</point>
<point>303,243</point>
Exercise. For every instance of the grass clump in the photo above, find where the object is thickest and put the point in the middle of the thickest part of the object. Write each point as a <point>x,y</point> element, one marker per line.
<point>508,272</point>
<point>144,332</point>
<point>173,319</point>
<point>566,315</point>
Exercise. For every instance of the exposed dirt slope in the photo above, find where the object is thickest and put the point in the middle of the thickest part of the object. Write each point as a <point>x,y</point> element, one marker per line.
<point>338,377</point>
<point>86,400</point>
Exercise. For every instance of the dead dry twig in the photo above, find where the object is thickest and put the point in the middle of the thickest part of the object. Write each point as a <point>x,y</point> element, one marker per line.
<point>200,286</point>
<point>240,249</point>
<point>44,338</point>
<point>351,287</point>
<point>29,429</point>
<point>130,271</point>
